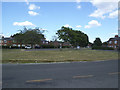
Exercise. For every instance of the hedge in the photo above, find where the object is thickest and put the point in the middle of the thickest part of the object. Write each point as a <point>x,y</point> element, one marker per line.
<point>12,47</point>
<point>102,48</point>
<point>42,46</point>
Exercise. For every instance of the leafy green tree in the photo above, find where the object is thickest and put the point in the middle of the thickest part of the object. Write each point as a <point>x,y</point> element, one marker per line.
<point>29,36</point>
<point>75,37</point>
<point>33,37</point>
<point>97,42</point>
<point>19,38</point>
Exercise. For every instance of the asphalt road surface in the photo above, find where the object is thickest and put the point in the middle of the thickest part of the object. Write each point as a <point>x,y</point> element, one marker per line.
<point>101,74</point>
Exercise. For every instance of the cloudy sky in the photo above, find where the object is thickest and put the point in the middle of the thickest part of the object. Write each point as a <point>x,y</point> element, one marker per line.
<point>95,18</point>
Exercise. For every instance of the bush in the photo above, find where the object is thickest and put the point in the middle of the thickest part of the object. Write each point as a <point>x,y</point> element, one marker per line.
<point>12,47</point>
<point>47,46</point>
<point>66,46</point>
<point>5,47</point>
<point>102,48</point>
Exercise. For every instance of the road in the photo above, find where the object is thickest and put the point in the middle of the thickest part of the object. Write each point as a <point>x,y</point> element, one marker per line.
<point>101,74</point>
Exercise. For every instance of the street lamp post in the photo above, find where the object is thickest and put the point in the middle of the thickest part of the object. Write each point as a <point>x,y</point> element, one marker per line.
<point>60,47</point>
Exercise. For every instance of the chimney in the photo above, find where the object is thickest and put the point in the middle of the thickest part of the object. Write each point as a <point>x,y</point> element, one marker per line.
<point>116,35</point>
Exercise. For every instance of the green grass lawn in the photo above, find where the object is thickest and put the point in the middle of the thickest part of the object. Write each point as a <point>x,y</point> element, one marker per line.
<point>22,56</point>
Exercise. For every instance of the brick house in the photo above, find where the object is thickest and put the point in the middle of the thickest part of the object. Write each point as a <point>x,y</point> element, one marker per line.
<point>58,43</point>
<point>114,42</point>
<point>6,41</point>
<point>9,41</point>
<point>55,43</point>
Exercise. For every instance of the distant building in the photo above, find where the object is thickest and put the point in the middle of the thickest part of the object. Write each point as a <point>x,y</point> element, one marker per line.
<point>6,41</point>
<point>9,41</point>
<point>114,42</point>
<point>58,43</point>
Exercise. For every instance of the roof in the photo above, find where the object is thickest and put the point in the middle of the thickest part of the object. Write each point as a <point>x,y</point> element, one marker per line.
<point>115,38</point>
<point>7,38</point>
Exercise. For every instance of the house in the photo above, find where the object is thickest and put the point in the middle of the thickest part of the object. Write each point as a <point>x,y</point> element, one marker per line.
<point>66,44</point>
<point>59,43</point>
<point>6,41</point>
<point>9,41</point>
<point>114,42</point>
<point>55,43</point>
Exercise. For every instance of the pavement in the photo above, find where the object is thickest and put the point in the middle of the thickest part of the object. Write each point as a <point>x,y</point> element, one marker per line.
<point>95,74</point>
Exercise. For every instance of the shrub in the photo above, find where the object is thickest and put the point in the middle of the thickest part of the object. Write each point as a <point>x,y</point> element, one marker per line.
<point>47,46</point>
<point>102,48</point>
<point>5,47</point>
<point>66,46</point>
<point>12,47</point>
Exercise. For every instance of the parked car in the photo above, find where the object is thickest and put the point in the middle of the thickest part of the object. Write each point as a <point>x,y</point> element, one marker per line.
<point>28,47</point>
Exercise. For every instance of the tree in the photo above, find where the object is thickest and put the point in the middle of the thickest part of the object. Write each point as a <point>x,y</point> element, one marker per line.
<point>97,42</point>
<point>29,36</point>
<point>33,37</point>
<point>75,37</point>
<point>18,38</point>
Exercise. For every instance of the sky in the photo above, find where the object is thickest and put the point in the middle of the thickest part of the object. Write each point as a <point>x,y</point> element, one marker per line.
<point>96,19</point>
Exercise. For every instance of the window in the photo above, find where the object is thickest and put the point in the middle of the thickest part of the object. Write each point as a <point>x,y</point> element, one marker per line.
<point>23,45</point>
<point>14,41</point>
<point>110,42</point>
<point>14,45</point>
<point>115,42</point>
<point>109,46</point>
<point>5,41</point>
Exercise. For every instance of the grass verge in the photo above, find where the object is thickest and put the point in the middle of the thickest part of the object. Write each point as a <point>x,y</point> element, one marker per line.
<point>66,55</point>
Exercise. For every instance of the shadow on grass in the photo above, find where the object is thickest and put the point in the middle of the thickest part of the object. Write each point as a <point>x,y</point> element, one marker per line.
<point>38,61</point>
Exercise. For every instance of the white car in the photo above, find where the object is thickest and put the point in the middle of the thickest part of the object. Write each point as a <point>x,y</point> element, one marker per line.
<point>78,47</point>
<point>28,47</point>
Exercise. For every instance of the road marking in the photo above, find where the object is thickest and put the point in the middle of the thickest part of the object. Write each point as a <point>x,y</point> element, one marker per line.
<point>113,73</point>
<point>85,76</point>
<point>41,80</point>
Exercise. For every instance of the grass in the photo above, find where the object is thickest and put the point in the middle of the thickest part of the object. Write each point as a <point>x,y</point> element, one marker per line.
<point>22,56</point>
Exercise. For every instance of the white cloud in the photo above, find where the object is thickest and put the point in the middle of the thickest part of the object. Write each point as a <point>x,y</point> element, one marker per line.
<point>43,29</point>
<point>67,25</point>
<point>27,2</point>
<point>78,26</point>
<point>103,8</point>
<point>78,6</point>
<point>113,14</point>
<point>32,13</point>
<point>78,1</point>
<point>33,7</point>
<point>115,33</point>
<point>92,23</point>
<point>26,23</point>
<point>5,35</point>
